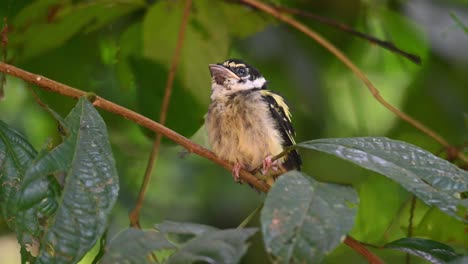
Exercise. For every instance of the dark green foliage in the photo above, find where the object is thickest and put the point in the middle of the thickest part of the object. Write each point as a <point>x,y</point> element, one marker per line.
<point>26,202</point>
<point>60,198</point>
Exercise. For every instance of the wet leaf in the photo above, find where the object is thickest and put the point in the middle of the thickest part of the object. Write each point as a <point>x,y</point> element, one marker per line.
<point>90,190</point>
<point>303,220</point>
<point>435,181</point>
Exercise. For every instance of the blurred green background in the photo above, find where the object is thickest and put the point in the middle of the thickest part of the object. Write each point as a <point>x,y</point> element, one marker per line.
<point>122,50</point>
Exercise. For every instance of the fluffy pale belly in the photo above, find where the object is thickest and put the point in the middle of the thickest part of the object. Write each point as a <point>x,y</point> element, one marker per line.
<point>242,135</point>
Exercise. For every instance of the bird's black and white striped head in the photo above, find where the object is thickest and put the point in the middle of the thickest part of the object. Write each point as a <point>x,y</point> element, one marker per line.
<point>233,76</point>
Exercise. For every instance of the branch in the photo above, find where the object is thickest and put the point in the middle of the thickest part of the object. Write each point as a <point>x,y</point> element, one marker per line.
<point>135,213</point>
<point>53,86</point>
<point>335,51</point>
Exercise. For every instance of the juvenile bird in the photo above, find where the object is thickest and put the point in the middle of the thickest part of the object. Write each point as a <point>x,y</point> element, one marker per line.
<point>248,124</point>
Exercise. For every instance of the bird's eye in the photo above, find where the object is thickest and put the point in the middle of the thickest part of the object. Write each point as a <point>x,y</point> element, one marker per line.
<point>241,71</point>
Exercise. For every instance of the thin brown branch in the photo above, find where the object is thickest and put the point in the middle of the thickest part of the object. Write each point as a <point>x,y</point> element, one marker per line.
<point>327,21</point>
<point>53,86</point>
<point>359,248</point>
<point>343,58</point>
<point>135,213</point>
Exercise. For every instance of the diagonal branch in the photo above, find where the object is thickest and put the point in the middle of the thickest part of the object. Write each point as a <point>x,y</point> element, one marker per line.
<point>135,213</point>
<point>53,86</point>
<point>335,51</point>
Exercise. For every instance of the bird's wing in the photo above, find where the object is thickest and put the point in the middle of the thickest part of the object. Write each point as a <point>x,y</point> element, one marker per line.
<point>280,112</point>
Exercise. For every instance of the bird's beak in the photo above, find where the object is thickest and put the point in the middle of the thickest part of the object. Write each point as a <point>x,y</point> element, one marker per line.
<point>220,73</point>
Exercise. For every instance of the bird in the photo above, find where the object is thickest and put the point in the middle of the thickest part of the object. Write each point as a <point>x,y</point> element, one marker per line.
<point>248,124</point>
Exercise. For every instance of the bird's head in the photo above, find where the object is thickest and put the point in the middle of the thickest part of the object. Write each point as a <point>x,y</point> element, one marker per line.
<point>234,75</point>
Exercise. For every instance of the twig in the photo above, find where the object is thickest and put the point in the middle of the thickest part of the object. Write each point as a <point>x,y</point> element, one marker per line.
<point>135,213</point>
<point>359,248</point>
<point>330,47</point>
<point>53,86</point>
<point>382,43</point>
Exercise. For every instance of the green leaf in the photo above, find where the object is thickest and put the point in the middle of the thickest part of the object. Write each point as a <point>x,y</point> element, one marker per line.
<point>90,191</point>
<point>207,244</point>
<point>435,181</point>
<point>303,219</point>
<point>134,245</point>
<point>61,21</point>
<point>151,80</point>
<point>430,250</point>
<point>16,155</point>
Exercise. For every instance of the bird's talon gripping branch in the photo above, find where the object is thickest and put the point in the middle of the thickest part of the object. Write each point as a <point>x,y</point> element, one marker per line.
<point>235,172</point>
<point>269,164</point>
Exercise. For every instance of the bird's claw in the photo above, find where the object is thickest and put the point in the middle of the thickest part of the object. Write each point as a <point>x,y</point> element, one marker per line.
<point>269,164</point>
<point>235,172</point>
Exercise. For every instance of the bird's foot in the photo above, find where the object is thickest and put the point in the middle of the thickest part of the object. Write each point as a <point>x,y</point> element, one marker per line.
<point>269,164</point>
<point>235,172</point>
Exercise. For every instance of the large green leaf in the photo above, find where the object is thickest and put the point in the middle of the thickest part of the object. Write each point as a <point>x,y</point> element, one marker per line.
<point>435,181</point>
<point>26,219</point>
<point>430,250</point>
<point>206,244</point>
<point>134,245</point>
<point>90,190</point>
<point>303,219</point>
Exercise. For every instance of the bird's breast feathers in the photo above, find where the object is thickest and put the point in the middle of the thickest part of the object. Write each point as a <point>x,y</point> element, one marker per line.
<point>242,130</point>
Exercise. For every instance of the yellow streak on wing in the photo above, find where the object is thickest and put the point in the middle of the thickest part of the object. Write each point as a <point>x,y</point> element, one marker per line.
<point>282,104</point>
